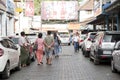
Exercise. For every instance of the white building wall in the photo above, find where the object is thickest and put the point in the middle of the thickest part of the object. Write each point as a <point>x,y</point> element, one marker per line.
<point>10,26</point>
<point>3,33</point>
<point>84,15</point>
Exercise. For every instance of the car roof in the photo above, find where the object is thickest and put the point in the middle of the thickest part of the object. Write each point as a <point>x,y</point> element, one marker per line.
<point>1,38</point>
<point>112,32</point>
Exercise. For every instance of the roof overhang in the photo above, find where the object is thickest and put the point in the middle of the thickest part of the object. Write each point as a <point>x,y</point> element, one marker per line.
<point>114,7</point>
<point>85,22</point>
<point>100,20</point>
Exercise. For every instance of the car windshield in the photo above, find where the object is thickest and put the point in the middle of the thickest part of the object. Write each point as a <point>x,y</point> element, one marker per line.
<point>16,40</point>
<point>111,38</point>
<point>64,35</point>
<point>92,35</point>
<point>82,37</point>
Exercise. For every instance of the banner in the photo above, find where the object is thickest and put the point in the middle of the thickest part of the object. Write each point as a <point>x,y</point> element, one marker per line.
<point>29,10</point>
<point>59,10</point>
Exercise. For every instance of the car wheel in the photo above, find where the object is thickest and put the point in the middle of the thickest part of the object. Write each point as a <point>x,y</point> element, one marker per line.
<point>83,52</point>
<point>90,57</point>
<point>113,67</point>
<point>86,54</point>
<point>96,62</point>
<point>6,72</point>
<point>19,65</point>
<point>68,44</point>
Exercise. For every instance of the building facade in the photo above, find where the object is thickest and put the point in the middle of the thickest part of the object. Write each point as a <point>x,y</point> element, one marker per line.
<point>6,17</point>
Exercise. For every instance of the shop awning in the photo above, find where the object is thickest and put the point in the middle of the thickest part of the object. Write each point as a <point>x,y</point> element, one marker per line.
<point>100,19</point>
<point>73,26</point>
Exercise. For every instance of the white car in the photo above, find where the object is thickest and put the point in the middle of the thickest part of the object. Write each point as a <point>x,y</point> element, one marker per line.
<point>9,57</point>
<point>115,61</point>
<point>64,38</point>
<point>86,45</point>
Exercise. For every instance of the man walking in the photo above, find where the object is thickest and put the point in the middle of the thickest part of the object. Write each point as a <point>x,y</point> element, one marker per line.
<point>49,47</point>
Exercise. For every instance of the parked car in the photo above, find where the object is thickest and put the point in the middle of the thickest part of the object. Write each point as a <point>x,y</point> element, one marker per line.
<point>81,40</point>
<point>86,45</point>
<point>115,61</point>
<point>31,52</point>
<point>64,38</point>
<point>9,57</point>
<point>32,37</point>
<point>103,45</point>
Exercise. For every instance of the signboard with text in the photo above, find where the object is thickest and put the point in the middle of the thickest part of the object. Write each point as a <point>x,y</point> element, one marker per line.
<point>97,8</point>
<point>3,4</point>
<point>59,10</point>
<point>29,10</point>
<point>10,6</point>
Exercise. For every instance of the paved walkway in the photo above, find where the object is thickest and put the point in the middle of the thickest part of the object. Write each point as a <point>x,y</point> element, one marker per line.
<point>68,66</point>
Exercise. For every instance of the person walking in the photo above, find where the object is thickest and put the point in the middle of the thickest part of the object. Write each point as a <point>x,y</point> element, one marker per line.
<point>40,48</point>
<point>49,46</point>
<point>76,42</point>
<point>23,49</point>
<point>56,45</point>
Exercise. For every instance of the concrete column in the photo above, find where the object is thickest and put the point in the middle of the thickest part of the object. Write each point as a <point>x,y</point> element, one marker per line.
<point>107,22</point>
<point>94,27</point>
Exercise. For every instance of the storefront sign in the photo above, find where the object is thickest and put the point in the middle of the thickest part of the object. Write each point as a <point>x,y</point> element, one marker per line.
<point>17,0</point>
<point>73,26</point>
<point>29,10</point>
<point>10,6</point>
<point>97,8</point>
<point>3,4</point>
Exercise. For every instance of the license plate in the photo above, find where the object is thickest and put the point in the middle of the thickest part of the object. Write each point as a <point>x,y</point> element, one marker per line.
<point>106,52</point>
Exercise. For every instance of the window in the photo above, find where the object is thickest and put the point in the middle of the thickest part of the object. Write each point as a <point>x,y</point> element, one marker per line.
<point>89,12</point>
<point>5,43</point>
<point>12,46</point>
<point>107,38</point>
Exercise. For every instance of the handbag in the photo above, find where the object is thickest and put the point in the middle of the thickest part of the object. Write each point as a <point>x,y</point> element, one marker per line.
<point>35,47</point>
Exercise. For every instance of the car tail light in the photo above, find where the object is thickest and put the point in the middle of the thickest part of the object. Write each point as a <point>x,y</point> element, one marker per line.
<point>103,57</point>
<point>81,40</point>
<point>89,39</point>
<point>1,52</point>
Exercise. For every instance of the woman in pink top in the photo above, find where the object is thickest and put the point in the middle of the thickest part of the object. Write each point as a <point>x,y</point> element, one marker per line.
<point>39,52</point>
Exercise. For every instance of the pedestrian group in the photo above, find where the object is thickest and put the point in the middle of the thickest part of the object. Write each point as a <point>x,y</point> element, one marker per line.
<point>49,46</point>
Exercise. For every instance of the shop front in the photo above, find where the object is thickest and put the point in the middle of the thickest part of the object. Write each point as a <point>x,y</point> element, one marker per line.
<point>10,17</point>
<point>114,14</point>
<point>2,17</point>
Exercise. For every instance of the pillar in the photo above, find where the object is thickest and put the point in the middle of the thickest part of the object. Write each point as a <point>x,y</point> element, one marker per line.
<point>107,22</point>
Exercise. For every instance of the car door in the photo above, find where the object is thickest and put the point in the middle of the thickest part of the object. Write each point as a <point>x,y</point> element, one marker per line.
<point>14,52</point>
<point>116,55</point>
<point>7,50</point>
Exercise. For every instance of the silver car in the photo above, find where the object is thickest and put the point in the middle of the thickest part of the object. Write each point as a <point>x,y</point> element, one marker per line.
<point>103,46</point>
<point>115,61</point>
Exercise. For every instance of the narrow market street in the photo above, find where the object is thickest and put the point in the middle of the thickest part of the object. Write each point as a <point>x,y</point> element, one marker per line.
<point>69,66</point>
